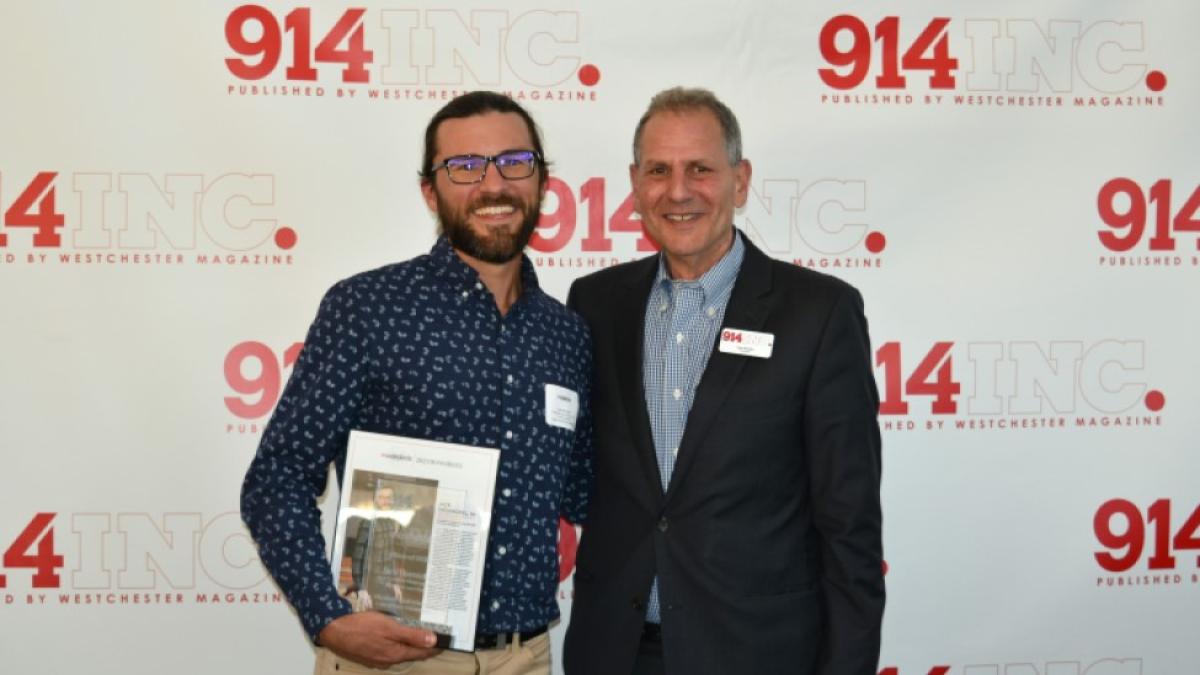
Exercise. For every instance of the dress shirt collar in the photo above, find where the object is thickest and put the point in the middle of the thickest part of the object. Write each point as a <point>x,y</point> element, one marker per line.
<point>719,278</point>
<point>448,266</point>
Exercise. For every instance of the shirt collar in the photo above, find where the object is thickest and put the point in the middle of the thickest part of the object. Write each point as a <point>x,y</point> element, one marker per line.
<point>718,279</point>
<point>449,266</point>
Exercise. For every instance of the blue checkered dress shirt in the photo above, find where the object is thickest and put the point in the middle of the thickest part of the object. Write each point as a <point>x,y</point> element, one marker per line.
<point>682,322</point>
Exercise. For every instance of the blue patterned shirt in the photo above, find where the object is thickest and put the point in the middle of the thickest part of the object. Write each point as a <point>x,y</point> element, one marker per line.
<point>682,322</point>
<point>420,349</point>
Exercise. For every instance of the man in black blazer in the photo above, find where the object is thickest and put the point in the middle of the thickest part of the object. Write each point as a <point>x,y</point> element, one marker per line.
<point>735,526</point>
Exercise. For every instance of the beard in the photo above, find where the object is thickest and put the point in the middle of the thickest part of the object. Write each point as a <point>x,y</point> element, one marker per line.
<point>492,245</point>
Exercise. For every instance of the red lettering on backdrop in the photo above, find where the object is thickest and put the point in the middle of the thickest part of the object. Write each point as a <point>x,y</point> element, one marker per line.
<point>45,561</point>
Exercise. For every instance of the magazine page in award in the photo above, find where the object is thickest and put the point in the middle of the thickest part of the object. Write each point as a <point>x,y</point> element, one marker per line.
<point>412,531</point>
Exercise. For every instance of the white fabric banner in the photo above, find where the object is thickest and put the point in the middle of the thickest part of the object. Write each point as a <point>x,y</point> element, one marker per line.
<point>1013,186</point>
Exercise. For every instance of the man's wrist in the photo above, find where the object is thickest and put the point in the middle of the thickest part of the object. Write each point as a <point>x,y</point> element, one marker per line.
<point>343,608</point>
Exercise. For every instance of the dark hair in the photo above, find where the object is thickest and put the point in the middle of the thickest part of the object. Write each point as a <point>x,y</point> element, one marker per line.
<point>681,99</point>
<point>477,103</point>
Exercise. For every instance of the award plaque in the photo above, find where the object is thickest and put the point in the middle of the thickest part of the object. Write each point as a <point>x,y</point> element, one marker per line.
<point>412,530</point>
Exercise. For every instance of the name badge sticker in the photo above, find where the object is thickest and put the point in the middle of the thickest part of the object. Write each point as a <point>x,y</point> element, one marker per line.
<point>747,343</point>
<point>562,407</point>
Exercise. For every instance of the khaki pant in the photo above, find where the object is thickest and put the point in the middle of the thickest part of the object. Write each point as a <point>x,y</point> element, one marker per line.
<point>517,658</point>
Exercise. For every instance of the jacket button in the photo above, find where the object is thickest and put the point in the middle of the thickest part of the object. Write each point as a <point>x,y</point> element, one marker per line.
<point>662,524</point>
<point>637,604</point>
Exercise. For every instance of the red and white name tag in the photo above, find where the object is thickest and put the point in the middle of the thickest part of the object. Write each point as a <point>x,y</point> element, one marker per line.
<point>747,343</point>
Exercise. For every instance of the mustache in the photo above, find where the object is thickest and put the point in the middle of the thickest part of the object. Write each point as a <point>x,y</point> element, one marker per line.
<point>497,200</point>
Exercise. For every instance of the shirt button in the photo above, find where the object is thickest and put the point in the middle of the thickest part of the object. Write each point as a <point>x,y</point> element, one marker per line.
<point>495,604</point>
<point>679,338</point>
<point>662,308</point>
<point>712,311</point>
<point>508,435</point>
<point>502,550</point>
<point>510,379</point>
<point>674,452</point>
<point>506,492</point>
<point>677,394</point>
<point>466,293</point>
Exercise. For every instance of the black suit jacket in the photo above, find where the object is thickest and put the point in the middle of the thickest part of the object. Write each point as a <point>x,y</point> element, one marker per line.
<point>767,542</point>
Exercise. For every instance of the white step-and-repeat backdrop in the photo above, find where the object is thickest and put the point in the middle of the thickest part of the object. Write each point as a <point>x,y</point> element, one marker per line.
<point>1013,186</point>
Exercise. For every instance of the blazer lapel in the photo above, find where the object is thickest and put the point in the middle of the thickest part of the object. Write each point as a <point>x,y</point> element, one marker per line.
<point>629,331</point>
<point>747,309</point>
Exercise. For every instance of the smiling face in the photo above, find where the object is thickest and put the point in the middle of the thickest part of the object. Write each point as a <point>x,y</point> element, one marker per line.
<point>686,190</point>
<point>493,219</point>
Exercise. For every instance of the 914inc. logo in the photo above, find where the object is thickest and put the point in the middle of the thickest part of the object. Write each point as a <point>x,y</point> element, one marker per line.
<point>1016,62</point>
<point>132,559</point>
<point>1151,547</point>
<point>1148,224</point>
<point>407,54</point>
<point>820,223</point>
<point>135,219</point>
<point>1016,385</point>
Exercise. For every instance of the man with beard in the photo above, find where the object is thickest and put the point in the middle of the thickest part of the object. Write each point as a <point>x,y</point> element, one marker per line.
<point>459,345</point>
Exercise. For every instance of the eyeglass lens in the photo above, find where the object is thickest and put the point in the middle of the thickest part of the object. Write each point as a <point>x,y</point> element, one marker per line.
<point>471,168</point>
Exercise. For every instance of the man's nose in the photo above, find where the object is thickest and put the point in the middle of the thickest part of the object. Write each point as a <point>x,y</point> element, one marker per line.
<point>492,180</point>
<point>679,188</point>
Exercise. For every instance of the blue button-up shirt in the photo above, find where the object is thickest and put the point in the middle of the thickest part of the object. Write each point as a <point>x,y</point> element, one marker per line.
<point>681,325</point>
<point>420,349</point>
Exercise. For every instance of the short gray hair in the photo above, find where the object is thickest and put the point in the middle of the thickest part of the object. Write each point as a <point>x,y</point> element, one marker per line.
<point>684,99</point>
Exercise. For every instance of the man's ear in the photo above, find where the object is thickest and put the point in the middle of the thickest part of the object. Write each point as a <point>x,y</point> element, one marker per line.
<point>741,182</point>
<point>429,192</point>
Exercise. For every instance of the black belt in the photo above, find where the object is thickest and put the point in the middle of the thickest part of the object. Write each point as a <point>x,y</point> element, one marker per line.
<point>652,632</point>
<point>499,640</point>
